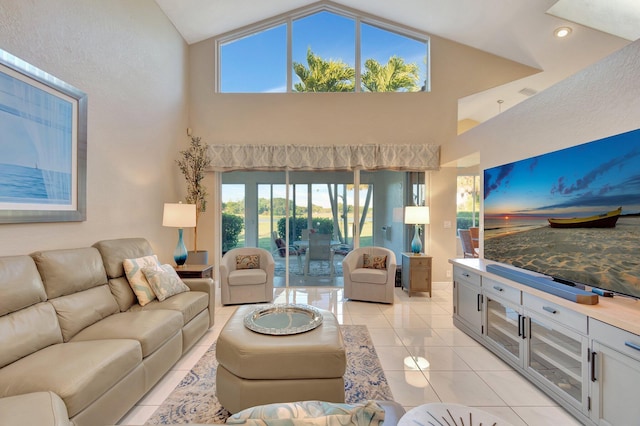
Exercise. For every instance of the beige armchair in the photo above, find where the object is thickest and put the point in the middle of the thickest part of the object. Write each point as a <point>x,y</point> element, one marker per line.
<point>365,281</point>
<point>246,276</point>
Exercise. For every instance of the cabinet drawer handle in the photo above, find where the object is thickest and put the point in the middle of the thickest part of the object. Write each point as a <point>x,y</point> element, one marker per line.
<point>632,345</point>
<point>549,309</point>
<point>495,287</point>
<point>464,274</point>
<point>519,325</point>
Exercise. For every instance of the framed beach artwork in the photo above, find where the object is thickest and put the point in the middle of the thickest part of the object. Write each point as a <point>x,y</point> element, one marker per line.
<point>43,141</point>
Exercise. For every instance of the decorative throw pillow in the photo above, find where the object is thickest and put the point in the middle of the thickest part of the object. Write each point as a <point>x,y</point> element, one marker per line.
<point>374,262</point>
<point>248,261</point>
<point>137,280</point>
<point>306,413</point>
<point>165,282</point>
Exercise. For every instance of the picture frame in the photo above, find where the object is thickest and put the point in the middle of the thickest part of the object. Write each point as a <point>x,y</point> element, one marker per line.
<point>43,140</point>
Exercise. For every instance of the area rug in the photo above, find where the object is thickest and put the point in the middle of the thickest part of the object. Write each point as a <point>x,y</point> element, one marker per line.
<point>194,399</point>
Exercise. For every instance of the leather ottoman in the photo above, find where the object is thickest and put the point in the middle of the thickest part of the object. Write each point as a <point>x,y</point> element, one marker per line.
<point>257,369</point>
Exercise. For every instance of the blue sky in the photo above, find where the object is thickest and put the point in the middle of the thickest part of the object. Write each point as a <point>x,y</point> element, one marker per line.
<point>586,179</point>
<point>258,63</point>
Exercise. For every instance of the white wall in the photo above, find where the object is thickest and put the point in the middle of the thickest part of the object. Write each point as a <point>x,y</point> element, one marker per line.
<point>348,118</point>
<point>443,240</point>
<point>131,62</point>
<point>601,100</point>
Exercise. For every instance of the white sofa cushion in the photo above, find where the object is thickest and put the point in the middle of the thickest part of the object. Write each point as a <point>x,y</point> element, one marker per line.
<point>369,275</point>
<point>27,331</point>
<point>247,277</point>
<point>83,370</point>
<point>36,408</point>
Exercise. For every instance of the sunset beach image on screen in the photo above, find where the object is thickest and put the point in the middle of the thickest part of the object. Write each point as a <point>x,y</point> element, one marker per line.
<point>572,214</point>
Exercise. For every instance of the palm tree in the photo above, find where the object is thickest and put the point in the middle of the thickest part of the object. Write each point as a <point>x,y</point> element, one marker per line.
<point>324,75</point>
<point>396,75</point>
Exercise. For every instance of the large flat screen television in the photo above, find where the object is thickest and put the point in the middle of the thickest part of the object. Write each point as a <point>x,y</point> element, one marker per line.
<point>572,214</point>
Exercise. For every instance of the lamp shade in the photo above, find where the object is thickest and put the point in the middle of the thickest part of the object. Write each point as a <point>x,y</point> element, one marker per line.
<point>178,215</point>
<point>416,215</point>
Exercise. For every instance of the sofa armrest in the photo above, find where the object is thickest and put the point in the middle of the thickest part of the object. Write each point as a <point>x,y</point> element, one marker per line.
<point>37,408</point>
<point>206,285</point>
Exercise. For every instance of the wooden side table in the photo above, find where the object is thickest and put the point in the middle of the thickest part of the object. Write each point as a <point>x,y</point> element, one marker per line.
<point>416,272</point>
<point>195,271</point>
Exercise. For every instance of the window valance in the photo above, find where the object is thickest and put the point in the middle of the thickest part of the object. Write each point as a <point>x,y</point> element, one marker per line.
<point>334,157</point>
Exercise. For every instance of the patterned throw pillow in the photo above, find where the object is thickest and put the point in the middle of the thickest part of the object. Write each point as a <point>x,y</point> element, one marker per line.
<point>165,282</point>
<point>137,280</point>
<point>248,261</point>
<point>310,413</point>
<point>374,262</point>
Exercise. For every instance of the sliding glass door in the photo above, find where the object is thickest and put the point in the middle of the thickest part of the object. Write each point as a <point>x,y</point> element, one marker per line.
<point>321,217</point>
<point>310,221</point>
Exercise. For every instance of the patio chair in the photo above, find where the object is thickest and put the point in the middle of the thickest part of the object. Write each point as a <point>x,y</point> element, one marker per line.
<point>467,245</point>
<point>319,250</point>
<point>475,236</point>
<point>304,234</point>
<point>281,250</point>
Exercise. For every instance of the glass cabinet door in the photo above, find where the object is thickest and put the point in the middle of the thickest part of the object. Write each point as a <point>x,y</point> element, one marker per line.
<point>557,355</point>
<point>504,328</point>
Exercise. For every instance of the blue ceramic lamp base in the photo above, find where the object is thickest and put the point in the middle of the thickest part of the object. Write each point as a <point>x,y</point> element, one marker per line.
<point>180,253</point>
<point>416,243</point>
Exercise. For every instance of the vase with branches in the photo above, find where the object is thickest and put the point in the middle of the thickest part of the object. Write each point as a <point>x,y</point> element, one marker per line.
<point>193,163</point>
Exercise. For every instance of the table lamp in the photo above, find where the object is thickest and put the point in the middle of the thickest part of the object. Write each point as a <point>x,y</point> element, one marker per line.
<point>178,215</point>
<point>416,215</point>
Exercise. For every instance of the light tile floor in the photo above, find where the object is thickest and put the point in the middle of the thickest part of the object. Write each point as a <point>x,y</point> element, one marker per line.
<point>450,367</point>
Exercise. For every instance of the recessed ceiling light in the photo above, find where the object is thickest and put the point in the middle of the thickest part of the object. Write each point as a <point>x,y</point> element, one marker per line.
<point>562,32</point>
<point>618,17</point>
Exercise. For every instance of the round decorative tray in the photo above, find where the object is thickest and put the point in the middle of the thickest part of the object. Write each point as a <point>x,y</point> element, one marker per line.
<point>283,319</point>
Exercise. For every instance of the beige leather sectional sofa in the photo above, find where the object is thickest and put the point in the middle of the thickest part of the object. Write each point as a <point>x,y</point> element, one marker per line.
<point>74,341</point>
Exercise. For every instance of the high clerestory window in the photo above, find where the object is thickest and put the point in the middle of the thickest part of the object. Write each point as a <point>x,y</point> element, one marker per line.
<point>323,49</point>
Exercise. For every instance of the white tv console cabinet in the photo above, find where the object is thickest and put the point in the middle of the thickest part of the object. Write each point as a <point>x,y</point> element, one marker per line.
<point>585,357</point>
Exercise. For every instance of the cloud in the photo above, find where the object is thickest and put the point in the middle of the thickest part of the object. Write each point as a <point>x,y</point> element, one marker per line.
<point>586,180</point>
<point>503,173</point>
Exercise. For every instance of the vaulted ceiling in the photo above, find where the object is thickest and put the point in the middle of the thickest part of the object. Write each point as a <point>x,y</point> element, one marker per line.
<point>519,30</point>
